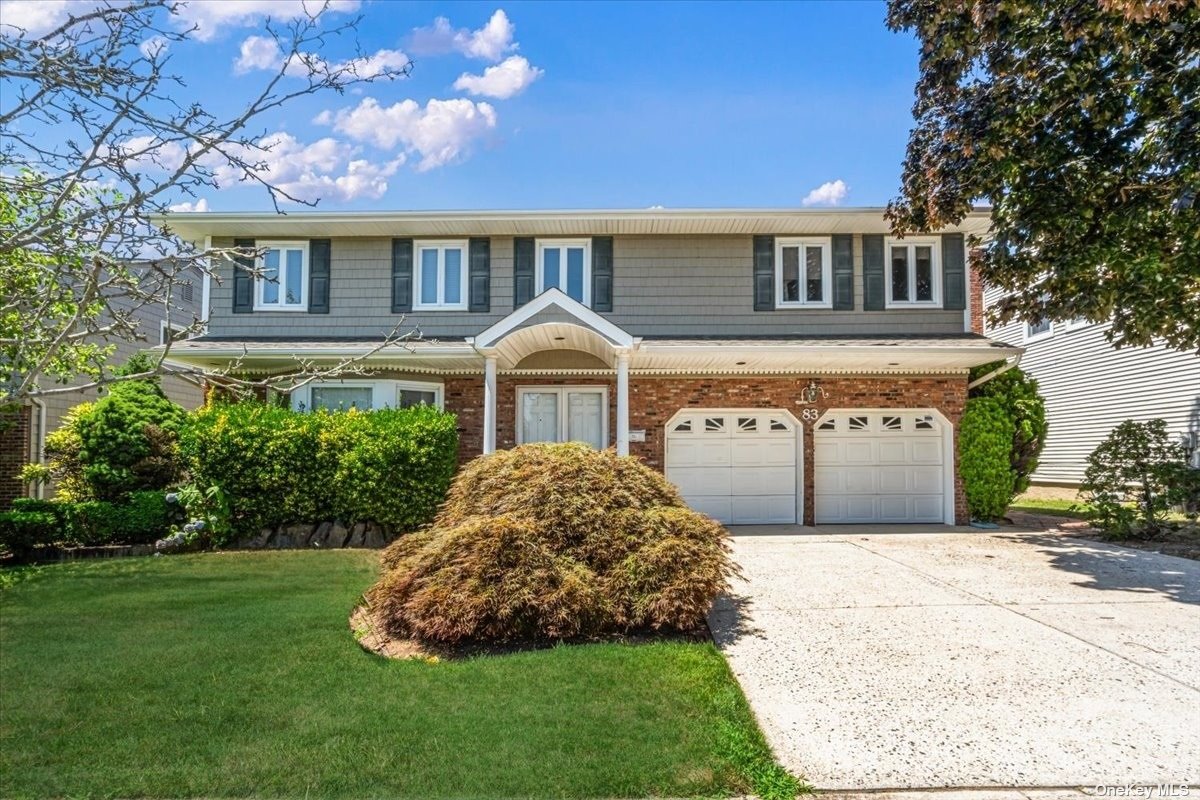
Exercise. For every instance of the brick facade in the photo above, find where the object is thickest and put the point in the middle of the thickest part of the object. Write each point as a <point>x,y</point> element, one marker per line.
<point>14,453</point>
<point>975,296</point>
<point>654,400</point>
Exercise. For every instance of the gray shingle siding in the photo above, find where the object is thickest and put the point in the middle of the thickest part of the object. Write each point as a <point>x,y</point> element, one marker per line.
<point>662,286</point>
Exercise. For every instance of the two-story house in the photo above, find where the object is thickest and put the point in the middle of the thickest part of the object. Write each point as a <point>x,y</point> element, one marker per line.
<point>778,366</point>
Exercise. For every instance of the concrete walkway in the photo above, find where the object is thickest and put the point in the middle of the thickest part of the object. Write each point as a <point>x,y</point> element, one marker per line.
<point>922,657</point>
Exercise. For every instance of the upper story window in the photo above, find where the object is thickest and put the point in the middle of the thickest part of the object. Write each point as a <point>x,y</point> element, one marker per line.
<point>566,264</point>
<point>366,395</point>
<point>441,276</point>
<point>914,273</point>
<point>803,272</point>
<point>282,281</point>
<point>1042,329</point>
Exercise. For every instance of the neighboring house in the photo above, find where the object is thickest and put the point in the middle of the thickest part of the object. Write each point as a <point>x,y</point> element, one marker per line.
<point>779,366</point>
<point>1090,387</point>
<point>23,439</point>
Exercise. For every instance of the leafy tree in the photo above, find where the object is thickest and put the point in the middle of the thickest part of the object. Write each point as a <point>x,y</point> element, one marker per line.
<point>96,142</point>
<point>1018,394</point>
<point>1079,122</point>
<point>1134,477</point>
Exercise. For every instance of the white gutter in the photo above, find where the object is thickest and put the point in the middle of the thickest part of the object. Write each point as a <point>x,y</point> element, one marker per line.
<point>1008,364</point>
<point>37,445</point>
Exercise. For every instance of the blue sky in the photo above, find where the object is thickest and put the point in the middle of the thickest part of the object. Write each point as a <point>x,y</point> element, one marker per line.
<point>633,105</point>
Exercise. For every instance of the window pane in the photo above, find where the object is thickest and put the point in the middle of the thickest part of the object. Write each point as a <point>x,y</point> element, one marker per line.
<point>924,273</point>
<point>416,397</point>
<point>453,275</point>
<point>1039,327</point>
<point>550,271</point>
<point>539,417</point>
<point>575,273</point>
<point>429,270</point>
<point>815,290</point>
<point>791,274</point>
<point>585,422</point>
<point>899,273</point>
<point>295,277</point>
<point>270,277</point>
<point>341,398</point>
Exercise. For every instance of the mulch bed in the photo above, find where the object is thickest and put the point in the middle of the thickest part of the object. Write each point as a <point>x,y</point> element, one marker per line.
<point>373,637</point>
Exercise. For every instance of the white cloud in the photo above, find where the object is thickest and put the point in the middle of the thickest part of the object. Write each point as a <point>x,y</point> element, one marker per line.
<point>210,17</point>
<point>200,205</point>
<point>263,52</point>
<point>830,193</point>
<point>258,52</point>
<point>154,46</point>
<point>324,169</point>
<point>507,79</point>
<point>489,43</point>
<point>148,152</point>
<point>441,133</point>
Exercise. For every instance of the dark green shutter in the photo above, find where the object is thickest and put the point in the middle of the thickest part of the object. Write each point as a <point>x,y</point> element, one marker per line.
<point>402,275</point>
<point>954,272</point>
<point>319,257</point>
<point>479,275</point>
<point>243,280</point>
<point>602,273</point>
<point>843,272</point>
<point>523,270</point>
<point>874,284</point>
<point>764,273</point>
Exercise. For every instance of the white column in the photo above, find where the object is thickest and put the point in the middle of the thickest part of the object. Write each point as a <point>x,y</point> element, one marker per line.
<point>489,404</point>
<point>623,405</point>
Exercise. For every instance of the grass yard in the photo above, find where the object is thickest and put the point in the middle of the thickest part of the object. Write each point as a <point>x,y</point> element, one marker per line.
<point>1053,507</point>
<point>235,674</point>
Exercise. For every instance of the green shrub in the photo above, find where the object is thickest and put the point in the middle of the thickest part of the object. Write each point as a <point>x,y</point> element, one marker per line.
<point>141,518</point>
<point>22,531</point>
<point>985,438</point>
<point>276,466</point>
<point>1134,477</point>
<point>63,464</point>
<point>552,541</point>
<point>1018,393</point>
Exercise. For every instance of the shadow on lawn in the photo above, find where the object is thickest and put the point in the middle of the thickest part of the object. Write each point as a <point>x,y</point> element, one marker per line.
<point>1110,567</point>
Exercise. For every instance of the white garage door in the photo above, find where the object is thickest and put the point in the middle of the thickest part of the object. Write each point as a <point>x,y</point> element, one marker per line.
<point>739,467</point>
<point>879,467</point>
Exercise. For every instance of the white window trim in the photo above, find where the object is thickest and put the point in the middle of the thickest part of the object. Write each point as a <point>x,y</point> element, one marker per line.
<point>384,393</point>
<point>163,326</point>
<point>935,264</point>
<point>826,245</point>
<point>1076,324</point>
<point>441,246</point>
<point>586,244</point>
<point>562,392</point>
<point>1027,337</point>
<point>259,282</point>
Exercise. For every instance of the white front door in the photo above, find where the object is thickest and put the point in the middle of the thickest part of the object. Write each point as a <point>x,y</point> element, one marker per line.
<point>739,467</point>
<point>879,466</point>
<point>567,414</point>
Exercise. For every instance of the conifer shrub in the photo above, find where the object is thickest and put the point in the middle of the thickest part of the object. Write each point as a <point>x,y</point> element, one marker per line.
<point>553,541</point>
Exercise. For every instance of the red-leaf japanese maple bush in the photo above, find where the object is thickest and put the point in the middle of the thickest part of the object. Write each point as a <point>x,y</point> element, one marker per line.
<point>553,541</point>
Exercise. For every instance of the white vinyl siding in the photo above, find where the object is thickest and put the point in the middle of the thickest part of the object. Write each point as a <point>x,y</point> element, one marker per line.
<point>1090,387</point>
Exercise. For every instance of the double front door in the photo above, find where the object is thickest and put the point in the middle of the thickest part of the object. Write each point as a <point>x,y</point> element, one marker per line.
<point>563,414</point>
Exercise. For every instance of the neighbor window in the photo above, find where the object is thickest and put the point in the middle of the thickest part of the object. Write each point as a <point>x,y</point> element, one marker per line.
<point>441,275</point>
<point>566,265</point>
<point>802,272</point>
<point>1043,328</point>
<point>914,273</point>
<point>282,282</point>
<point>366,395</point>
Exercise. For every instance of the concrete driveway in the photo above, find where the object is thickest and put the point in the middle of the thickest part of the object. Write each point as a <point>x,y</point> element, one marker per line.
<point>912,657</point>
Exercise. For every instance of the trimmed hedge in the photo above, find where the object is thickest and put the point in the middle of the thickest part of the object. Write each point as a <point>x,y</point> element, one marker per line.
<point>21,531</point>
<point>277,466</point>
<point>985,441</point>
<point>142,518</point>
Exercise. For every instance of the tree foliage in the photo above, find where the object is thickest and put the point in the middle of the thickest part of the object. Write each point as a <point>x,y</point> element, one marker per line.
<point>1080,123</point>
<point>1018,394</point>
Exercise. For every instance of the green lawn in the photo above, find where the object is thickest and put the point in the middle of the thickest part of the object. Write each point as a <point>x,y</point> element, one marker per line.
<point>235,675</point>
<point>1050,507</point>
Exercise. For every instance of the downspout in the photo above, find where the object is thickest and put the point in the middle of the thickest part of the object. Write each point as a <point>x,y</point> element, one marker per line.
<point>37,444</point>
<point>1008,364</point>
